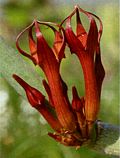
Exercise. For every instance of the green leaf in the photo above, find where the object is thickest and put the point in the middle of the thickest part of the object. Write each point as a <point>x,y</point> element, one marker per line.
<point>11,63</point>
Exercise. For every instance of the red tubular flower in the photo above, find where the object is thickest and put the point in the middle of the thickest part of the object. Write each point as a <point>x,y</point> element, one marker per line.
<point>87,47</point>
<point>49,61</point>
<point>72,123</point>
<point>37,100</point>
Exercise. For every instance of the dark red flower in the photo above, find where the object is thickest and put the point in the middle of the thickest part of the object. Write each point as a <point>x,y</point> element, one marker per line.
<point>72,122</point>
<point>86,45</point>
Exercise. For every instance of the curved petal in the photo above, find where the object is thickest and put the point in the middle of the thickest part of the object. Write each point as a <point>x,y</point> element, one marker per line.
<point>100,28</point>
<point>22,51</point>
<point>93,28</point>
<point>92,39</point>
<point>73,42</point>
<point>59,42</point>
<point>45,54</point>
<point>32,45</point>
<point>59,45</point>
<point>99,71</point>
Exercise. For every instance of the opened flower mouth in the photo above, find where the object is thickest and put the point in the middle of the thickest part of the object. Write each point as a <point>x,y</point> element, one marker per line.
<point>72,122</point>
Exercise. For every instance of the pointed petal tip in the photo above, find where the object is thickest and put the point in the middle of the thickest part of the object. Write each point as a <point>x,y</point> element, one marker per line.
<point>74,92</point>
<point>44,82</point>
<point>76,6</point>
<point>20,81</point>
<point>76,102</point>
<point>34,96</point>
<point>17,78</point>
<point>37,29</point>
<point>46,86</point>
<point>14,76</point>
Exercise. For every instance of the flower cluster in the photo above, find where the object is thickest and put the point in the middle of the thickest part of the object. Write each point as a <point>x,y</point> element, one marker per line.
<point>72,122</point>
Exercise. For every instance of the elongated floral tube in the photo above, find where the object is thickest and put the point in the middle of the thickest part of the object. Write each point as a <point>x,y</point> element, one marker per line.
<point>49,61</point>
<point>50,66</point>
<point>85,46</point>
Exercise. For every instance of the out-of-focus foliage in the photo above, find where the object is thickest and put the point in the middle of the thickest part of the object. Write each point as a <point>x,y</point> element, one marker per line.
<point>23,132</point>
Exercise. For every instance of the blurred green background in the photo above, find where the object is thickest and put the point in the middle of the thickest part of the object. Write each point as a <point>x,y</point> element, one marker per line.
<point>23,132</point>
